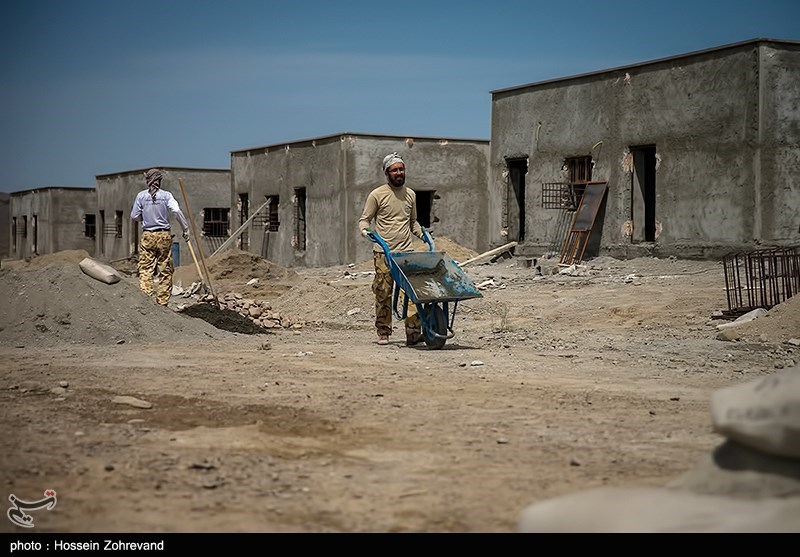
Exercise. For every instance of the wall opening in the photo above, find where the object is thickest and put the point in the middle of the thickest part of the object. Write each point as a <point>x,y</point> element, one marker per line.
<point>216,226</point>
<point>35,225</point>
<point>273,219</point>
<point>215,222</point>
<point>643,194</point>
<point>102,232</point>
<point>118,224</point>
<point>425,208</point>
<point>244,214</point>
<point>515,199</point>
<point>90,225</point>
<point>579,173</point>
<point>14,234</point>
<point>270,221</point>
<point>300,219</point>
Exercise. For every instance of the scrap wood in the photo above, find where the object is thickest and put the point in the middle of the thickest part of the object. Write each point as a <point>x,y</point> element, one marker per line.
<point>489,253</point>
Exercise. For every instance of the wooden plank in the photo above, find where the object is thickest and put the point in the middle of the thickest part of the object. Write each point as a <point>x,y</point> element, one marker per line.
<point>489,253</point>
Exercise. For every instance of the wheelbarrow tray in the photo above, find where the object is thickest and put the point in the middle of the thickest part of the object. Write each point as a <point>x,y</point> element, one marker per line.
<point>432,276</point>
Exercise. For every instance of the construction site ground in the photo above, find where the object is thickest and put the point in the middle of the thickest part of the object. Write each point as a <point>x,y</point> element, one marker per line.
<point>553,383</point>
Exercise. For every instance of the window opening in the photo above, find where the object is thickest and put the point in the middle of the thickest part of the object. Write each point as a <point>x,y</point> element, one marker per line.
<point>35,225</point>
<point>118,224</point>
<point>102,231</point>
<point>244,214</point>
<point>14,234</point>
<point>579,173</point>
<point>215,222</point>
<point>300,219</point>
<point>272,216</point>
<point>89,226</point>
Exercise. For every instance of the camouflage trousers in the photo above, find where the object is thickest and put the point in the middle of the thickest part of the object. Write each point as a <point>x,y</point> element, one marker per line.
<point>382,287</point>
<point>155,252</point>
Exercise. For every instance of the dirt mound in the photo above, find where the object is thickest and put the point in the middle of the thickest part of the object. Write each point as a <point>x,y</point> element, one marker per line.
<point>58,303</point>
<point>315,300</point>
<point>41,261</point>
<point>231,271</point>
<point>780,324</point>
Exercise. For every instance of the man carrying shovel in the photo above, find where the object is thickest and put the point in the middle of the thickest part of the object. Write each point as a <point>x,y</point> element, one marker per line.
<point>153,207</point>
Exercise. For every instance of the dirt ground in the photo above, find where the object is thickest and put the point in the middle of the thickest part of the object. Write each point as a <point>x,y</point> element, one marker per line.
<point>553,383</point>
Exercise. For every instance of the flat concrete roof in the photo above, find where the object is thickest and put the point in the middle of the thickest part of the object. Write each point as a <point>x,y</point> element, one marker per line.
<point>74,188</point>
<point>377,135</point>
<point>160,167</point>
<point>649,62</point>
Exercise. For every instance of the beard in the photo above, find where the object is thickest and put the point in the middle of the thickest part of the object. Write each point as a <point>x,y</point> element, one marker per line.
<point>396,180</point>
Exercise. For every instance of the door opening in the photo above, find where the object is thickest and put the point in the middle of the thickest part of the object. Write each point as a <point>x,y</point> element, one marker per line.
<point>424,207</point>
<point>515,199</point>
<point>643,194</point>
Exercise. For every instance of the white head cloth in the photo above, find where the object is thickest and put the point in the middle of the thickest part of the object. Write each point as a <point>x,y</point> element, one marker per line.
<point>391,159</point>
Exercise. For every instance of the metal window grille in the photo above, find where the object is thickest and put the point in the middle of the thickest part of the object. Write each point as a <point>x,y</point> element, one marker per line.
<point>559,195</point>
<point>215,222</point>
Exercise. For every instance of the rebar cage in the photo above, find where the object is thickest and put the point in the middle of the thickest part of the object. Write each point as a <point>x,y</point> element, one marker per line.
<point>761,278</point>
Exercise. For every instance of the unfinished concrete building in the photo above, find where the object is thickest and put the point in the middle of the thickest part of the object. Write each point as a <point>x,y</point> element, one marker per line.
<point>208,191</point>
<point>303,199</point>
<point>51,219</point>
<point>694,155</point>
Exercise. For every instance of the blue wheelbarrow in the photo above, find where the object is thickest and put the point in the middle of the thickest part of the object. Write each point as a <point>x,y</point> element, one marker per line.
<point>432,281</point>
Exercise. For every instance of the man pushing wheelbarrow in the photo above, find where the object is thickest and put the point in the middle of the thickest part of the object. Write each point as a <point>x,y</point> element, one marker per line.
<point>423,282</point>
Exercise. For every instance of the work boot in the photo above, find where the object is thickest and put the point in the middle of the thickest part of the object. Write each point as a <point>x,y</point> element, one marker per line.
<point>383,339</point>
<point>413,338</point>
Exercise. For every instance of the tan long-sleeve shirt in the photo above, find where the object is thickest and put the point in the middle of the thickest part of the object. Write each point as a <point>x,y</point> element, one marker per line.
<point>394,211</point>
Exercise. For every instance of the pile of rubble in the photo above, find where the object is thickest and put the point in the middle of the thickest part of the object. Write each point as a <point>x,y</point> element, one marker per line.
<point>259,312</point>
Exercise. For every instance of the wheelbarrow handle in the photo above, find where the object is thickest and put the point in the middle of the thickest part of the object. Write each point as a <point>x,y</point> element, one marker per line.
<point>375,237</point>
<point>428,239</point>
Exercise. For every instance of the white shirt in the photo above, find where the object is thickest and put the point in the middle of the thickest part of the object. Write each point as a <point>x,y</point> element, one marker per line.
<point>156,215</point>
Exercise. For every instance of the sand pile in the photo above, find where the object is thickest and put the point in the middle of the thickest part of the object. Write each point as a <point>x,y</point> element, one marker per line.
<point>232,270</point>
<point>781,323</point>
<point>50,301</point>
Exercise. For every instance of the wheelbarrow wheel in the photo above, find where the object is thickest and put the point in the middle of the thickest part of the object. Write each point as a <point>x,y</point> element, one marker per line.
<point>435,316</point>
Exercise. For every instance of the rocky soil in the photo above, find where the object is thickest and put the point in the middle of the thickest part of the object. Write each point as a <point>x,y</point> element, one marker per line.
<point>553,383</point>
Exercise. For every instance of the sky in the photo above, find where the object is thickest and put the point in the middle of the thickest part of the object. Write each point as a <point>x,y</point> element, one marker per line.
<point>91,87</point>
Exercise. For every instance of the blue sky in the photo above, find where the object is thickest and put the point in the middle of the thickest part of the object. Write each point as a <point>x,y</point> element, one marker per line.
<point>90,87</point>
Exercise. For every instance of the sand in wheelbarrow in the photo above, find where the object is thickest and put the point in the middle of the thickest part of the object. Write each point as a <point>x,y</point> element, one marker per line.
<point>223,318</point>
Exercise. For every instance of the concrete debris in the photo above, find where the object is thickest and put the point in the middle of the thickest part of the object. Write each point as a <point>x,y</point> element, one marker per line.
<point>746,318</point>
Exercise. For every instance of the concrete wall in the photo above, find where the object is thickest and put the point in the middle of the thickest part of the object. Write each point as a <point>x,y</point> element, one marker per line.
<point>338,172</point>
<point>205,188</point>
<point>59,217</point>
<point>724,124</point>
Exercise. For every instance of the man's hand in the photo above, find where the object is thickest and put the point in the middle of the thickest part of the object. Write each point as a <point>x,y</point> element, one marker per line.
<point>186,235</point>
<point>365,232</point>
